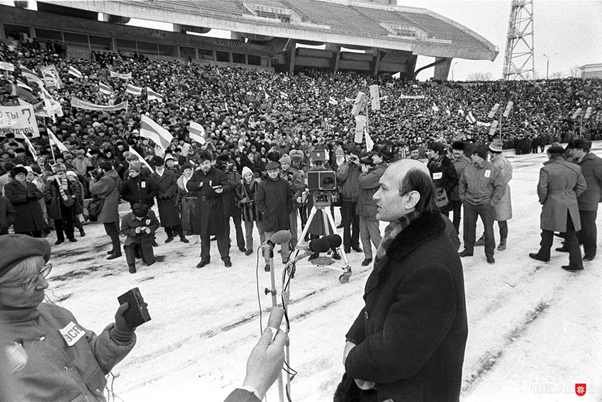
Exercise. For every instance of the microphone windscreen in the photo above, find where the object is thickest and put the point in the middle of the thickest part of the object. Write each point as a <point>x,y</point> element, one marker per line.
<point>319,245</point>
<point>334,240</point>
<point>281,236</point>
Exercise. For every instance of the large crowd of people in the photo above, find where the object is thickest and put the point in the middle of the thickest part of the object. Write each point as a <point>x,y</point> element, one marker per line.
<point>262,135</point>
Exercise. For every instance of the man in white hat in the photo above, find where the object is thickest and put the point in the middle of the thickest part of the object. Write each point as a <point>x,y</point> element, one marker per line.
<point>502,211</point>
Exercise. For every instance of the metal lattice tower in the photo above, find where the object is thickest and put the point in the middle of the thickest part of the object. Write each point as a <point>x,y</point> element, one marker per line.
<point>520,50</point>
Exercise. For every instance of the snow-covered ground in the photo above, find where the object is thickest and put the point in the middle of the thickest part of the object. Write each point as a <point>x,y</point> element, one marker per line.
<point>534,329</point>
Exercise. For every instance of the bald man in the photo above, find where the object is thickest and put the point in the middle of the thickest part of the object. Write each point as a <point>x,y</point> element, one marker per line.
<point>416,292</point>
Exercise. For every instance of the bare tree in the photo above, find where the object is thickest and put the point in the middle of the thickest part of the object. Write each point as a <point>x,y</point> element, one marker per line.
<point>479,76</point>
<point>575,71</point>
<point>556,75</point>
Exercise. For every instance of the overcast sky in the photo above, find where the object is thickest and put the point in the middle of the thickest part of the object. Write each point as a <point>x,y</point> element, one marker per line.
<point>569,32</point>
<point>573,29</point>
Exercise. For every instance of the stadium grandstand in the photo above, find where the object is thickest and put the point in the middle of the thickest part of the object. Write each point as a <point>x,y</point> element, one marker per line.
<point>279,35</point>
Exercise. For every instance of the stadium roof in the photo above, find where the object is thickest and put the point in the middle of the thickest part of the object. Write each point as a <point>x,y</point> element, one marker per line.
<point>344,22</point>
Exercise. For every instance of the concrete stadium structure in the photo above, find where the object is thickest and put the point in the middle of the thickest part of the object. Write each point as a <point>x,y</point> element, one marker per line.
<point>265,33</point>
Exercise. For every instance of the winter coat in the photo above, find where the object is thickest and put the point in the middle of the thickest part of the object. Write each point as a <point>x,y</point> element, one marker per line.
<point>29,212</point>
<point>55,371</point>
<point>369,184</point>
<point>231,207</point>
<point>185,202</point>
<point>139,189</point>
<point>481,185</point>
<point>209,208</point>
<point>108,187</point>
<point>459,164</point>
<point>246,201</point>
<point>296,179</point>
<point>560,183</point>
<point>444,174</point>
<point>502,211</point>
<point>129,223</point>
<point>54,201</point>
<point>411,334</point>
<point>7,215</point>
<point>591,168</point>
<point>274,200</point>
<point>167,187</point>
<point>348,181</point>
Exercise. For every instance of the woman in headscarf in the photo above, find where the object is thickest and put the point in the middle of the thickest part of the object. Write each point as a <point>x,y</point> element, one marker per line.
<point>24,196</point>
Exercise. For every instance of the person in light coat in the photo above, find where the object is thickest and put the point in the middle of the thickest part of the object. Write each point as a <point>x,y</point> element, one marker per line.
<point>502,211</point>
<point>560,183</point>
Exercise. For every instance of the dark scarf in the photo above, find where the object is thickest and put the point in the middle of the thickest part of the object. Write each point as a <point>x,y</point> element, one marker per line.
<point>392,231</point>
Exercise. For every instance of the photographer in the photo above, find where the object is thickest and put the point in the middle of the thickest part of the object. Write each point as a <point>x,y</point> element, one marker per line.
<point>44,353</point>
<point>373,167</point>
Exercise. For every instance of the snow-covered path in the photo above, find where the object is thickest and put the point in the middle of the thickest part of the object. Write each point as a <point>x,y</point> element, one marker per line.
<point>534,329</point>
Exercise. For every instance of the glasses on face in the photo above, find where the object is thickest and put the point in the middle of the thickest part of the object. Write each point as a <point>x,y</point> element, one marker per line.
<point>33,281</point>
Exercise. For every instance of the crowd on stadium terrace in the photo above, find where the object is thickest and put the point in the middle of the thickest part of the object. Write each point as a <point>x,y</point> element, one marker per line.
<point>247,112</point>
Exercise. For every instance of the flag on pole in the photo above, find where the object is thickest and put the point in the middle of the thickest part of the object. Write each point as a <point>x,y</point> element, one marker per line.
<point>283,95</point>
<point>30,76</point>
<point>369,142</point>
<point>104,89</point>
<point>375,97</point>
<point>24,85</point>
<point>266,95</point>
<point>30,146</point>
<point>196,132</point>
<point>151,130</point>
<point>75,72</point>
<point>152,95</point>
<point>360,125</point>
<point>471,118</point>
<point>460,112</point>
<point>56,141</point>
<point>134,90</point>
<point>332,101</point>
<point>435,107</point>
<point>48,104</point>
<point>140,158</point>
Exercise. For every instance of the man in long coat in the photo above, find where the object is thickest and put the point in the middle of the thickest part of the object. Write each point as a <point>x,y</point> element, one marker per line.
<point>502,211</point>
<point>167,188</point>
<point>274,200</point>
<point>107,184</point>
<point>560,183</point>
<point>591,167</point>
<point>24,196</point>
<point>408,341</point>
<point>209,184</point>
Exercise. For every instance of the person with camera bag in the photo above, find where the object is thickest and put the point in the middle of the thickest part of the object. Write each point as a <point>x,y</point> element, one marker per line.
<point>444,175</point>
<point>348,173</point>
<point>106,184</point>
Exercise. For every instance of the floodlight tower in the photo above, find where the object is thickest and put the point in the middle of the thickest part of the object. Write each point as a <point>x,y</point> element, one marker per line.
<point>520,50</point>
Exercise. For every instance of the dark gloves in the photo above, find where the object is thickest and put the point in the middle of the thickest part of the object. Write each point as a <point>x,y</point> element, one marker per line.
<point>32,196</point>
<point>121,332</point>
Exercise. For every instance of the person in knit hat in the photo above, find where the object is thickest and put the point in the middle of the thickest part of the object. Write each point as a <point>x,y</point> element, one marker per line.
<point>481,188</point>
<point>245,193</point>
<point>40,339</point>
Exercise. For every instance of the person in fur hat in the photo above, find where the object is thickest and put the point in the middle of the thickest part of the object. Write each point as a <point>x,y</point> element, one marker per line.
<point>24,196</point>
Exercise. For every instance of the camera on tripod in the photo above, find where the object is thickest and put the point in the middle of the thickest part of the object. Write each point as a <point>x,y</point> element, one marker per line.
<point>322,184</point>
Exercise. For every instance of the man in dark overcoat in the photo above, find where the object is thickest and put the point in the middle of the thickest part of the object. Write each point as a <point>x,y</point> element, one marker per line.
<point>138,188</point>
<point>106,184</point>
<point>560,183</point>
<point>408,341</point>
<point>24,196</point>
<point>274,201</point>
<point>167,188</point>
<point>209,185</point>
<point>591,167</point>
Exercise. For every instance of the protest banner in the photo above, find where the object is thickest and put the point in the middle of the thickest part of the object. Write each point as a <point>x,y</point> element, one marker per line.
<point>51,77</point>
<point>18,120</point>
<point>81,104</point>
<point>127,76</point>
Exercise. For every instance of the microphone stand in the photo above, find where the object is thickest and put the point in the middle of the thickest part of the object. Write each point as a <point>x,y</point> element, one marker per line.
<point>269,248</point>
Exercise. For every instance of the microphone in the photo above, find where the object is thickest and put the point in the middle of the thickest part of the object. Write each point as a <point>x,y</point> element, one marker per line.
<point>334,240</point>
<point>321,245</point>
<point>281,236</point>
